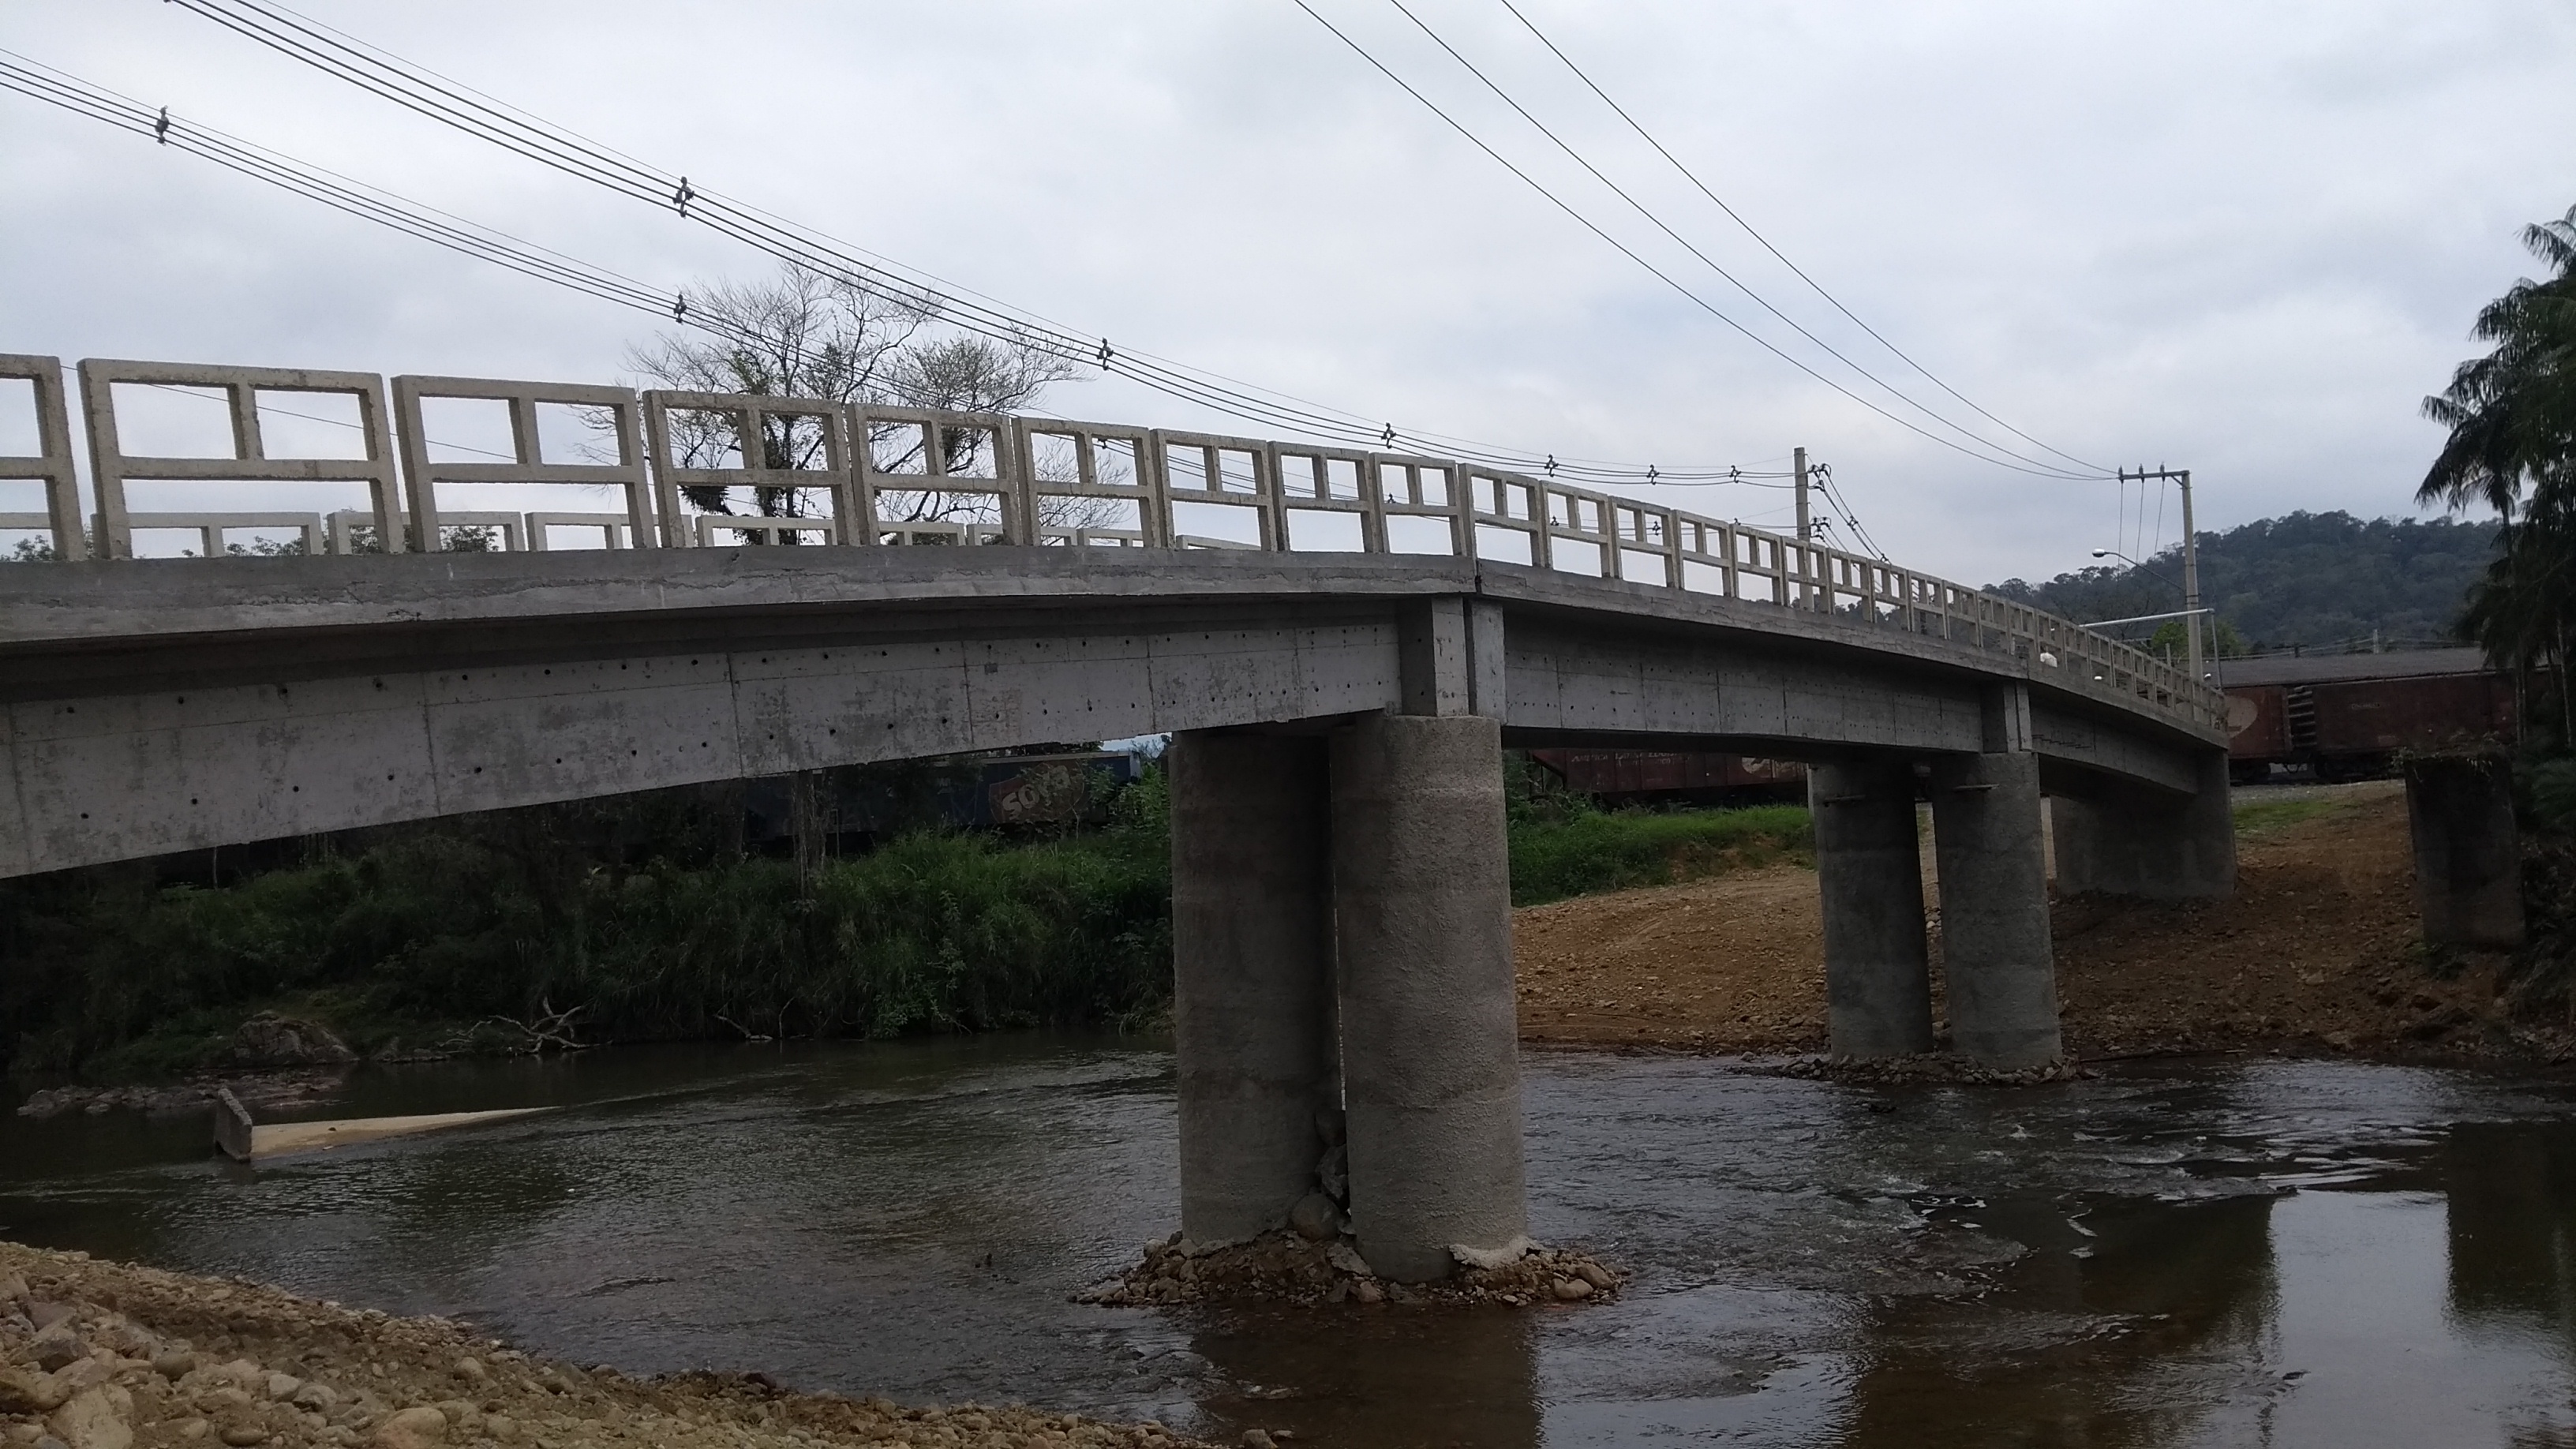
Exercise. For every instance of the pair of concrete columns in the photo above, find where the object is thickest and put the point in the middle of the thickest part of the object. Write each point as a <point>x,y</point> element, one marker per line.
<point>1990,842</point>
<point>1994,909</point>
<point>1341,938</point>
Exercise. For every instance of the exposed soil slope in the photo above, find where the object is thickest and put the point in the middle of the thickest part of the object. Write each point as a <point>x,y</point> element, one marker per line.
<point>2317,950</point>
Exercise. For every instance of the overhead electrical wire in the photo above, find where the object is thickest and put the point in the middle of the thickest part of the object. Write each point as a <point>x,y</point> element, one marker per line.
<point>2095,469</point>
<point>1703,257</point>
<point>433,96</point>
<point>1657,272</point>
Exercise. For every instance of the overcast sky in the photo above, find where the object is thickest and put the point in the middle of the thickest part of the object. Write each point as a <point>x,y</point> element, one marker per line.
<point>2247,239</point>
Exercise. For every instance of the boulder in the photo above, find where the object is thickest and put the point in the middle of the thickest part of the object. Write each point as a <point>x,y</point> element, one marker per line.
<point>271,1040</point>
<point>22,1392</point>
<point>1317,1218</point>
<point>57,1347</point>
<point>416,1428</point>
<point>92,1421</point>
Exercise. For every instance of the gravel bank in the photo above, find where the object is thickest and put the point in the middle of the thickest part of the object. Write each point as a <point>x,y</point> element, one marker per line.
<point>98,1355</point>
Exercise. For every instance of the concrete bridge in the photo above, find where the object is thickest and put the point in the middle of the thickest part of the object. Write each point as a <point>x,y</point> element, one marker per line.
<point>1342,641</point>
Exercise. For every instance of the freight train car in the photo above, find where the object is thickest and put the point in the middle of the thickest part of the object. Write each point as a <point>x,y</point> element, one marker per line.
<point>2347,715</point>
<point>1638,777</point>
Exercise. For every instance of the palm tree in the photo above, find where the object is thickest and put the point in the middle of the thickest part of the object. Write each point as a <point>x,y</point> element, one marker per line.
<point>2512,416</point>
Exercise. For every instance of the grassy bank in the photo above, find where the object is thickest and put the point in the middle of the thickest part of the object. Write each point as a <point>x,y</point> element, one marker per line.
<point>659,927</point>
<point>415,939</point>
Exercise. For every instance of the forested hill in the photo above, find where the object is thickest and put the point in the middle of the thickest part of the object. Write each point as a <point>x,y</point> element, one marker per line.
<point>2312,579</point>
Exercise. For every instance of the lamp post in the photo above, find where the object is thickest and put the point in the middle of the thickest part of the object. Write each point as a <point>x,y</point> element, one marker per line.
<point>2190,549</point>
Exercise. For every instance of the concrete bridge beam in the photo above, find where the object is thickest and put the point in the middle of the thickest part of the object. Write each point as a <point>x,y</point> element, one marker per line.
<point>1869,869</point>
<point>1430,1028</point>
<point>1996,960</point>
<point>2152,844</point>
<point>1252,956</point>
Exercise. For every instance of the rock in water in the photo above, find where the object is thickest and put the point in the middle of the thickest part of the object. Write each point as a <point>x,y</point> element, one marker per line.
<point>271,1040</point>
<point>1316,1218</point>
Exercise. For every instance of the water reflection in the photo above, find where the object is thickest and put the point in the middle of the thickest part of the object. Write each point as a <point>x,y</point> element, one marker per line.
<point>2273,1253</point>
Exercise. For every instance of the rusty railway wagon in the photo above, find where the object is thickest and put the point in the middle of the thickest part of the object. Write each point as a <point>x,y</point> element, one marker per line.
<point>2346,716</point>
<point>1698,777</point>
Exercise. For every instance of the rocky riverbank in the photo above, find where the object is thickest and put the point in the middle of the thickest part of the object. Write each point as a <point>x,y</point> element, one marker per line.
<point>99,1355</point>
<point>1291,1267</point>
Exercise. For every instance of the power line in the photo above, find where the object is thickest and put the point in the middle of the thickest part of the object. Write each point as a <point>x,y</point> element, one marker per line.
<point>2096,469</point>
<point>433,96</point>
<point>1704,258</point>
<point>1658,273</point>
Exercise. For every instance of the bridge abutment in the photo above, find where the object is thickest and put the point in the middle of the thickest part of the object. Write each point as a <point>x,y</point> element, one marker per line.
<point>2138,842</point>
<point>1252,953</point>
<point>1997,964</point>
<point>1869,870</point>
<point>1429,1018</point>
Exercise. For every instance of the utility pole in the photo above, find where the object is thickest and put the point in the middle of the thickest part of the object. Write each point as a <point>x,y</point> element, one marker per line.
<point>1806,529</point>
<point>2190,556</point>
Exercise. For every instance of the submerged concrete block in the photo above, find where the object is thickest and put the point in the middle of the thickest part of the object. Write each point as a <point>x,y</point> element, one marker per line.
<point>1869,870</point>
<point>1430,1027</point>
<point>1995,955</point>
<point>1252,957</point>
<point>2468,856</point>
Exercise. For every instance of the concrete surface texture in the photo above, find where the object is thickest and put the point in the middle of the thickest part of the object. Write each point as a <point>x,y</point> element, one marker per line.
<point>1869,871</point>
<point>1430,1027</point>
<point>1252,953</point>
<point>2468,856</point>
<point>1996,959</point>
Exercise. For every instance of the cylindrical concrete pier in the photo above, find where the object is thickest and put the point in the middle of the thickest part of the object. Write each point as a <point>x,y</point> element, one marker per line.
<point>1869,870</point>
<point>1995,955</point>
<point>1252,957</point>
<point>2468,856</point>
<point>1431,1080</point>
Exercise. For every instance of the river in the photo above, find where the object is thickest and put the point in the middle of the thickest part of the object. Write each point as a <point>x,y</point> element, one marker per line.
<point>2240,1252</point>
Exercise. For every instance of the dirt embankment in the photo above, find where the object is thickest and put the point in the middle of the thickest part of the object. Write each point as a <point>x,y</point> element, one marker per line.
<point>96,1355</point>
<point>2317,950</point>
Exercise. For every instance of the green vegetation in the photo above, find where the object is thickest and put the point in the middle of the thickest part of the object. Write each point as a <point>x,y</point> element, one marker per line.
<point>1596,850</point>
<point>647,915</point>
<point>2322,581</point>
<point>2262,817</point>
<point>437,927</point>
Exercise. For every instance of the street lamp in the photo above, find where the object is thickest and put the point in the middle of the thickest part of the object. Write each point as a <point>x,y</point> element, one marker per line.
<point>2190,614</point>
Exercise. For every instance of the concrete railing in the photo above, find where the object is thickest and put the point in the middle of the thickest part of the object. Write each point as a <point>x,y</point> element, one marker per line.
<point>871,475</point>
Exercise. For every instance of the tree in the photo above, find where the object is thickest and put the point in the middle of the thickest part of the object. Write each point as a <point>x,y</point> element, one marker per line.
<point>805,334</point>
<point>2512,447</point>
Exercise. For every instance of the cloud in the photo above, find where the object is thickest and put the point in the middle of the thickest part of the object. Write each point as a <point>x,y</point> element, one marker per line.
<point>2244,239</point>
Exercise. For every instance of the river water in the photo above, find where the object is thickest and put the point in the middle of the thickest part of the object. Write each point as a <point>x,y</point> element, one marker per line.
<point>2256,1252</point>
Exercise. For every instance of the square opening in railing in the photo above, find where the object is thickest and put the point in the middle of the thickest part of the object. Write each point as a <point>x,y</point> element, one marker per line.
<point>1651,568</point>
<point>26,545</point>
<point>1238,472</point>
<point>1185,469</point>
<point>1318,530</point>
<point>896,448</point>
<point>963,513</point>
<point>1113,463</point>
<point>1065,519</point>
<point>703,437</point>
<point>1218,523</point>
<point>1503,498</point>
<point>508,497</point>
<point>969,451</point>
<point>1570,556</point>
<point>466,430</point>
<point>576,435</point>
<point>164,420</point>
<point>571,535</point>
<point>1416,486</point>
<point>1056,457</point>
<point>745,501</point>
<point>719,532</point>
<point>1412,533</point>
<point>1700,578</point>
<point>295,424</point>
<point>1502,545</point>
<point>19,435</point>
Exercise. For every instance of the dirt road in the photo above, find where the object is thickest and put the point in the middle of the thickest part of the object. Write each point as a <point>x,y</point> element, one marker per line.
<point>2317,950</point>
